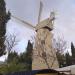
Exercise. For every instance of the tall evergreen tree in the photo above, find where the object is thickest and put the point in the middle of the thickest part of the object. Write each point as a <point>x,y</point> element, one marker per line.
<point>73,53</point>
<point>29,48</point>
<point>72,50</point>
<point>29,54</point>
<point>4,17</point>
<point>13,57</point>
<point>68,59</point>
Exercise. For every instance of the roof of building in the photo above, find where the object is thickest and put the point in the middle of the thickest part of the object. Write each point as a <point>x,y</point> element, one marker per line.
<point>67,70</point>
<point>45,23</point>
<point>34,72</point>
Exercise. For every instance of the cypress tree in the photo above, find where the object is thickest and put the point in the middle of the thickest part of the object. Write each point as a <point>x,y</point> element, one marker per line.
<point>4,17</point>
<point>68,59</point>
<point>73,53</point>
<point>29,54</point>
<point>72,50</point>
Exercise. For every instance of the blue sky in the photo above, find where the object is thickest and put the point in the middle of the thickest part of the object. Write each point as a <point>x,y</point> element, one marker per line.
<point>28,11</point>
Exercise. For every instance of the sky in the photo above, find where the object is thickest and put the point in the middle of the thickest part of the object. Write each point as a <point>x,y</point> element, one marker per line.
<point>28,10</point>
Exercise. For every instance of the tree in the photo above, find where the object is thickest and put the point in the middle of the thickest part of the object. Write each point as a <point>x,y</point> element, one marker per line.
<point>10,42</point>
<point>4,17</point>
<point>13,57</point>
<point>60,46</point>
<point>73,53</point>
<point>29,50</point>
<point>26,57</point>
<point>68,59</point>
<point>16,62</point>
<point>72,50</point>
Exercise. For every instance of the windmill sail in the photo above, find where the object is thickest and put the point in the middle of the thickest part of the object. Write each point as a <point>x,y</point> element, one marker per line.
<point>40,11</point>
<point>22,21</point>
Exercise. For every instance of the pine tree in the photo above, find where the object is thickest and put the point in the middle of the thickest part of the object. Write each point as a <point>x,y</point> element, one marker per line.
<point>29,48</point>
<point>4,17</point>
<point>73,53</point>
<point>29,54</point>
<point>72,50</point>
<point>13,57</point>
<point>68,59</point>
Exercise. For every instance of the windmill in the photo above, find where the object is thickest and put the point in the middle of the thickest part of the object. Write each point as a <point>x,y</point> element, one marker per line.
<point>43,41</point>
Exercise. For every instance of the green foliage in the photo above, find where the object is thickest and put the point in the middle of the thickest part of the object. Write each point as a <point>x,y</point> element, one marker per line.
<point>13,57</point>
<point>22,57</point>
<point>17,62</point>
<point>3,69</point>
<point>61,59</point>
<point>4,17</point>
<point>26,57</point>
<point>12,68</point>
<point>73,53</point>
<point>68,59</point>
<point>29,54</point>
<point>72,50</point>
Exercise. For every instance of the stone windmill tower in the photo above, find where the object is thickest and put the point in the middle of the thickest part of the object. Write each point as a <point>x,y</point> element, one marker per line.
<point>44,55</point>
